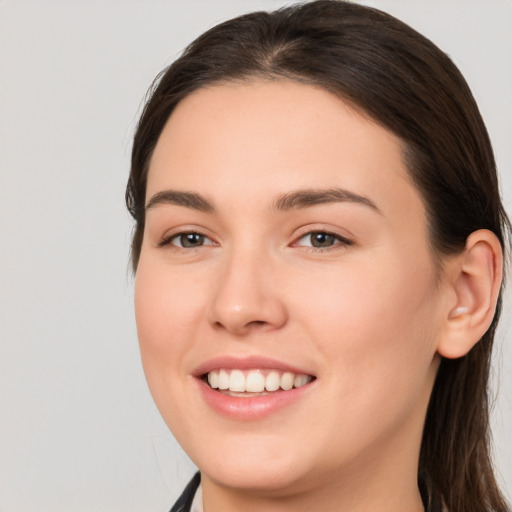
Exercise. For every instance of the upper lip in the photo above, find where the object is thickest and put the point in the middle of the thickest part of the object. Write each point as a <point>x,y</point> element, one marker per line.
<point>246,363</point>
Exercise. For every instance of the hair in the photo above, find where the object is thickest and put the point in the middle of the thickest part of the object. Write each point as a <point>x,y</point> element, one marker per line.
<point>400,79</point>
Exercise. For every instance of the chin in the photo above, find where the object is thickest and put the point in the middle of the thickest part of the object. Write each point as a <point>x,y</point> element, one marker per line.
<point>270,478</point>
<point>253,466</point>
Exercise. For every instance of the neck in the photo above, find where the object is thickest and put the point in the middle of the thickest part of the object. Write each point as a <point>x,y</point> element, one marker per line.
<point>330,499</point>
<point>387,485</point>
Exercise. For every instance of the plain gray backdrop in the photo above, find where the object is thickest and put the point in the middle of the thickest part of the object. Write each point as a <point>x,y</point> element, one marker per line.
<point>78,428</point>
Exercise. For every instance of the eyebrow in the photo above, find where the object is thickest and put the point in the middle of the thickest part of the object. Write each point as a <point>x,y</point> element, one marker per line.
<point>180,198</point>
<point>293,200</point>
<point>312,197</point>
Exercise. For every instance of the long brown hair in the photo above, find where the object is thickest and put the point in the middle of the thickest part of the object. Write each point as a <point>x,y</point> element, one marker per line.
<point>402,80</point>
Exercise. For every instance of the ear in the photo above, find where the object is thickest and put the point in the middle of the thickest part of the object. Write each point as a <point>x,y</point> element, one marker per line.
<point>475,278</point>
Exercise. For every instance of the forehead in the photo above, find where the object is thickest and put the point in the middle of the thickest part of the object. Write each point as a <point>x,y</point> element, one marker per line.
<point>269,137</point>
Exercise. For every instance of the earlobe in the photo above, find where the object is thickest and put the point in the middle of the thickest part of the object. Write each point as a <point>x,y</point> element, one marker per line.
<point>475,279</point>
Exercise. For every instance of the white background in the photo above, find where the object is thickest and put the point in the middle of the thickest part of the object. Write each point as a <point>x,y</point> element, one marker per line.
<point>78,429</point>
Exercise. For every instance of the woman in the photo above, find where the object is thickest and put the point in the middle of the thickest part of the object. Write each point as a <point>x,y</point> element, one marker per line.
<point>319,255</point>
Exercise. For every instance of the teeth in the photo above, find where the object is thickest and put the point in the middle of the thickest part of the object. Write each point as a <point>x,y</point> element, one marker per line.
<point>300,380</point>
<point>213,380</point>
<point>273,381</point>
<point>237,381</point>
<point>256,381</point>
<point>287,381</point>
<point>223,379</point>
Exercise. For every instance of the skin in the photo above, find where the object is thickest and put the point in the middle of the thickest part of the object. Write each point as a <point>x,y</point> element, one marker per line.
<point>365,317</point>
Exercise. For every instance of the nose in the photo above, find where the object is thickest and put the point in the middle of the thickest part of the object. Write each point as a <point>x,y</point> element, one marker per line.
<point>246,297</point>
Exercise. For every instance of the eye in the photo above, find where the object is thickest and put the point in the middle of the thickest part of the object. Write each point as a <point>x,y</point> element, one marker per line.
<point>322,240</point>
<point>188,240</point>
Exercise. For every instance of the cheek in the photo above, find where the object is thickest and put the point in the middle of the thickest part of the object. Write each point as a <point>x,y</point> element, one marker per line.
<point>165,304</point>
<point>375,324</point>
<point>166,311</point>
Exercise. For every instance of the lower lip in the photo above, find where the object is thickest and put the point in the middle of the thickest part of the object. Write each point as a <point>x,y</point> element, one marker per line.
<point>251,408</point>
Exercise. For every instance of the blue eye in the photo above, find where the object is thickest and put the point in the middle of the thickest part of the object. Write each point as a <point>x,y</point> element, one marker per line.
<point>322,240</point>
<point>190,240</point>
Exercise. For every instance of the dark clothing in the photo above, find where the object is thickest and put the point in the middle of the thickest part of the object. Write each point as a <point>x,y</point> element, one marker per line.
<point>185,500</point>
<point>184,503</point>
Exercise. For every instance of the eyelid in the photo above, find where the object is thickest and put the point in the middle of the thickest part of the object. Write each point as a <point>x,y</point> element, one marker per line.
<point>342,240</point>
<point>169,236</point>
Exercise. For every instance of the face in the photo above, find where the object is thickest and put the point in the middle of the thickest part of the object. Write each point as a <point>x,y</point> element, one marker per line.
<point>286,258</point>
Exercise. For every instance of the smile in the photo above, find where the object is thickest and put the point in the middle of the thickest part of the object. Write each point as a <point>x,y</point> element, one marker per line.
<point>252,388</point>
<point>237,382</point>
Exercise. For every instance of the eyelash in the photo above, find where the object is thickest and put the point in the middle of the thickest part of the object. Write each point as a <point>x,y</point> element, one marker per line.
<point>166,241</point>
<point>338,240</point>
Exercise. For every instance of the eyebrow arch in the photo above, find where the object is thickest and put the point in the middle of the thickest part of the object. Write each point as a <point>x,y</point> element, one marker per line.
<point>181,198</point>
<point>312,197</point>
<point>293,200</point>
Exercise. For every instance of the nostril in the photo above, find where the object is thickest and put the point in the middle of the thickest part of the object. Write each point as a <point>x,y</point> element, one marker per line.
<point>242,327</point>
<point>259,311</point>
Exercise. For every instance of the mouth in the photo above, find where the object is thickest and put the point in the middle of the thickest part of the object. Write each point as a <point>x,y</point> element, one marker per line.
<point>254,382</point>
<point>252,388</point>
